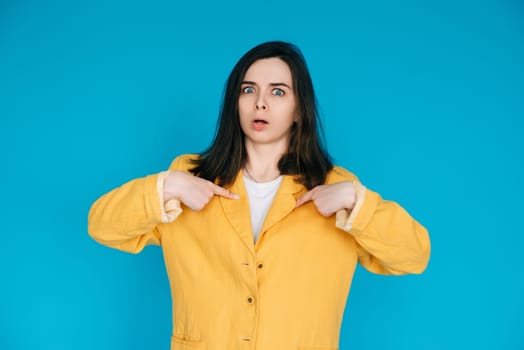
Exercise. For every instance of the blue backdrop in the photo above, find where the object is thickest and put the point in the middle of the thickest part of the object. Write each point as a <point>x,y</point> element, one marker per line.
<point>422,100</point>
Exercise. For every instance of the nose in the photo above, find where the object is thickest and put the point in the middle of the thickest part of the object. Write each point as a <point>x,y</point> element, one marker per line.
<point>260,104</point>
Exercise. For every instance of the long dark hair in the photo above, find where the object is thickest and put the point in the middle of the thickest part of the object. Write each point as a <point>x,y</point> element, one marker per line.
<point>306,158</point>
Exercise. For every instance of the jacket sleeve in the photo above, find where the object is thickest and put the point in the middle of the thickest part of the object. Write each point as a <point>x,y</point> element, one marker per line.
<point>127,217</point>
<point>390,241</point>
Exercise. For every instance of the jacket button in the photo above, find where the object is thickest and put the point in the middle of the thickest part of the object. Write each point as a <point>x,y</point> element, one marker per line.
<point>260,265</point>
<point>250,300</point>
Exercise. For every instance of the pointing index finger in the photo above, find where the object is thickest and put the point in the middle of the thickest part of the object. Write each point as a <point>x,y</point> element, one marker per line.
<point>221,191</point>
<point>306,197</point>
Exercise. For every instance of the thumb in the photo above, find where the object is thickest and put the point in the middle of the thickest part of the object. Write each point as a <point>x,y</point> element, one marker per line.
<point>221,191</point>
<point>306,197</point>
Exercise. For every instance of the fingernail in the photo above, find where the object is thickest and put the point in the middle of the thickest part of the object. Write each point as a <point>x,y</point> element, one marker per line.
<point>236,196</point>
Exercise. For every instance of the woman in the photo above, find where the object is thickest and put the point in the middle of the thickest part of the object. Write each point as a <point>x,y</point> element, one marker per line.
<point>261,233</point>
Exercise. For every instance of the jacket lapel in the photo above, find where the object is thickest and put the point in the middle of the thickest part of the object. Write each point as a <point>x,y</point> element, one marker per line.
<point>284,203</point>
<point>238,214</point>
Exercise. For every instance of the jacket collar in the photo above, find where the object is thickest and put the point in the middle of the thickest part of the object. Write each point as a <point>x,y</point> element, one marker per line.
<point>238,214</point>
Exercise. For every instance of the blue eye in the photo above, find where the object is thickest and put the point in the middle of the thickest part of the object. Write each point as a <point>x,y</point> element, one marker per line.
<point>248,90</point>
<point>278,92</point>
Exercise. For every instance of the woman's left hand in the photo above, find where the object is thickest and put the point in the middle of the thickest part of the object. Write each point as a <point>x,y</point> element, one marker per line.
<point>329,199</point>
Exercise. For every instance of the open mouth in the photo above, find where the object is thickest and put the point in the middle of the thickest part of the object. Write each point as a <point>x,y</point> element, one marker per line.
<point>259,124</point>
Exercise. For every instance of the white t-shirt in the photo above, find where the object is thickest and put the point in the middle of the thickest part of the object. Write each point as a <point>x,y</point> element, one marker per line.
<point>261,195</point>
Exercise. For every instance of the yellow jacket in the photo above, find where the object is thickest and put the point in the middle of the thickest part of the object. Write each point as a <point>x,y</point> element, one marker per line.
<point>287,291</point>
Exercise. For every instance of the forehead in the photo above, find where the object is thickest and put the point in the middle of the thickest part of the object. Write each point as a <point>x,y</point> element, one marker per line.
<point>269,70</point>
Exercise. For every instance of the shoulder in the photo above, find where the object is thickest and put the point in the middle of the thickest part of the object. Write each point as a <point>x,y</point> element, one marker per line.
<point>339,174</point>
<point>183,162</point>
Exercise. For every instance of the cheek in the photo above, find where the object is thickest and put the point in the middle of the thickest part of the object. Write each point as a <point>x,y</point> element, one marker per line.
<point>243,115</point>
<point>243,106</point>
<point>292,109</point>
<point>291,113</point>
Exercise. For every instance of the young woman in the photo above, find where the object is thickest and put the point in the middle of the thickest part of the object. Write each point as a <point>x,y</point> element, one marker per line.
<point>260,233</point>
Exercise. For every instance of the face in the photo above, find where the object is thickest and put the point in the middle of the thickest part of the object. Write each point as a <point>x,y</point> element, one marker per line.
<point>267,104</point>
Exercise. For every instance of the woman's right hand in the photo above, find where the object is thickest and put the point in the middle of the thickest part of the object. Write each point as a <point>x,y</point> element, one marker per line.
<point>191,190</point>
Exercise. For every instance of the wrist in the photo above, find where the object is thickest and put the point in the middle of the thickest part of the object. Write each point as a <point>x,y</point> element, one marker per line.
<point>170,188</point>
<point>352,196</point>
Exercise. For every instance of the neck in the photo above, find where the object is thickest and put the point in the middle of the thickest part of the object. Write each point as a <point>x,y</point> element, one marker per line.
<point>262,161</point>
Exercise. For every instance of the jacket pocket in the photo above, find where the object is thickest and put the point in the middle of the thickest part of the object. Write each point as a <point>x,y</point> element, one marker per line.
<point>181,342</point>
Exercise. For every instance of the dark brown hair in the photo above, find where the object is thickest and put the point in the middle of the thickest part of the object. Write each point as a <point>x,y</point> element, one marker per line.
<point>306,158</point>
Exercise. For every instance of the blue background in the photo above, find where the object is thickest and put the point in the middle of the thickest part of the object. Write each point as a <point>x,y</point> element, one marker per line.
<point>422,100</point>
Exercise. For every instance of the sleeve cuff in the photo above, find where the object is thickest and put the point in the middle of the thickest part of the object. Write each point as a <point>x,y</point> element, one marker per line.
<point>171,209</point>
<point>345,219</point>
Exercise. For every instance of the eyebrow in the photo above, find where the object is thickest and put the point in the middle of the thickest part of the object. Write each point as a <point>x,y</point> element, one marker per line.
<point>246,82</point>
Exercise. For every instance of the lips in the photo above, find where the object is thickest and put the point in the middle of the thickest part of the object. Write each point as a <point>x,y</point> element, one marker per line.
<point>259,124</point>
